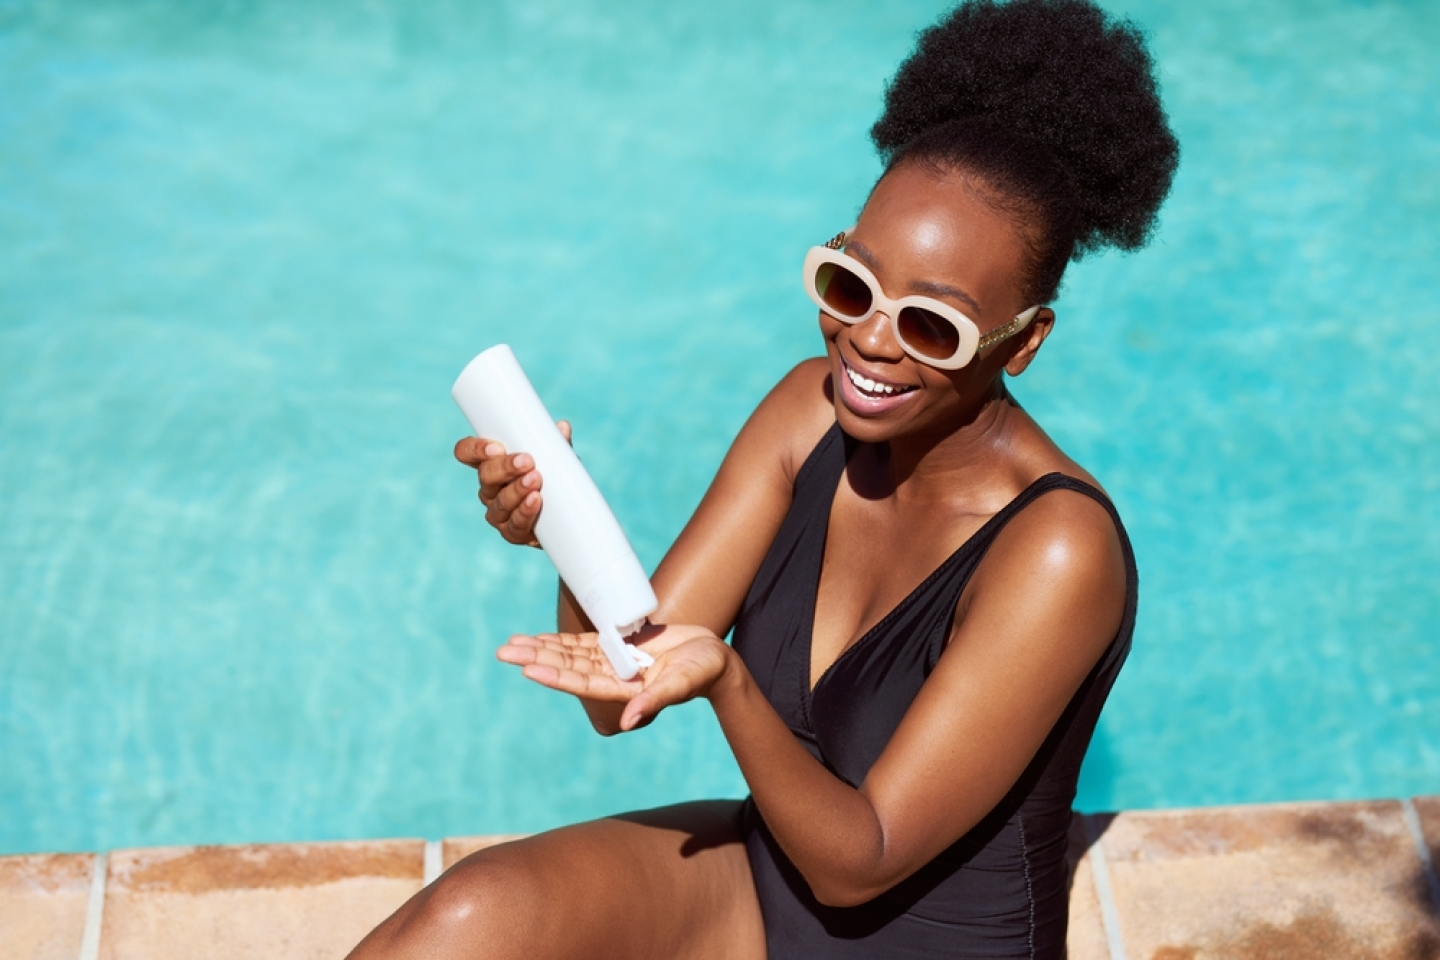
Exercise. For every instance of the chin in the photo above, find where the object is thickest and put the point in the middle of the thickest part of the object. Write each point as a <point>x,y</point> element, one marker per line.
<point>870,419</point>
<point>871,427</point>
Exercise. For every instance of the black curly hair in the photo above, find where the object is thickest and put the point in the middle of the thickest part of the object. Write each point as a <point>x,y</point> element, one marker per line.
<point>1054,107</point>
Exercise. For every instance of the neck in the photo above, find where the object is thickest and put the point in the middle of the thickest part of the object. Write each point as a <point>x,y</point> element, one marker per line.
<point>932,467</point>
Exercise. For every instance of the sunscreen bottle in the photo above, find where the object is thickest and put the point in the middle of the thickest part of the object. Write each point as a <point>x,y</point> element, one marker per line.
<point>576,528</point>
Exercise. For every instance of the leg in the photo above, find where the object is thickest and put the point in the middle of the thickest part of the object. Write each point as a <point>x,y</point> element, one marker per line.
<point>667,883</point>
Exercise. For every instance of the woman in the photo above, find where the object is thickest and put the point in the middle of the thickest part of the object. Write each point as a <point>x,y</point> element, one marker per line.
<point>930,600</point>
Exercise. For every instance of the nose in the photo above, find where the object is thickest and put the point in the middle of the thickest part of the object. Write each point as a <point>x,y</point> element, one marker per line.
<point>875,337</point>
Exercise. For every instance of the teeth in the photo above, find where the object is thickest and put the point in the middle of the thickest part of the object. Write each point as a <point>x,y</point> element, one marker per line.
<point>872,386</point>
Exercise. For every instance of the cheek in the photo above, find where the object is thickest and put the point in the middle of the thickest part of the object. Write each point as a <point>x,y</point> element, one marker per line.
<point>963,388</point>
<point>940,388</point>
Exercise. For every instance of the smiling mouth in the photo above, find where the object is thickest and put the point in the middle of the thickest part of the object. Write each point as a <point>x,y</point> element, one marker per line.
<point>873,388</point>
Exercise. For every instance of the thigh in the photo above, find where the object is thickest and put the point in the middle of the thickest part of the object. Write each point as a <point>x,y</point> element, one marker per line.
<point>667,883</point>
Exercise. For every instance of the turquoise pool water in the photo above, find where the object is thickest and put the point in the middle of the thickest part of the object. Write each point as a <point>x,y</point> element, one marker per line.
<point>246,595</point>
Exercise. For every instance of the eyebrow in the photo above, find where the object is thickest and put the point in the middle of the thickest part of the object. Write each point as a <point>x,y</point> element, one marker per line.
<point>866,256</point>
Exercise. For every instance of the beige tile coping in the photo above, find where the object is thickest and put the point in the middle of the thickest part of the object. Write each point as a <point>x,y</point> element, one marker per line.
<point>1290,881</point>
<point>1293,881</point>
<point>43,902</point>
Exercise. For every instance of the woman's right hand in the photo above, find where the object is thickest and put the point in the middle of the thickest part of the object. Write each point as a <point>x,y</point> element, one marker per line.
<point>509,485</point>
<point>510,490</point>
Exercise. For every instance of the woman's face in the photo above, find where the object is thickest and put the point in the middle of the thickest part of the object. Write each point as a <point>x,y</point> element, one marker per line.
<point>924,233</point>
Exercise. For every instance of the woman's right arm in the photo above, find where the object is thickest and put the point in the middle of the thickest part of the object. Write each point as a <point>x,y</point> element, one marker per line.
<point>704,576</point>
<point>706,573</point>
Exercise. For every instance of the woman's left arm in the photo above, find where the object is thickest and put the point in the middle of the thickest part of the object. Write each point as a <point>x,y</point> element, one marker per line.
<point>1045,603</point>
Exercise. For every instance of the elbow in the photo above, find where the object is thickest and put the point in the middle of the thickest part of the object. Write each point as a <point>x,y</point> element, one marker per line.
<point>856,876</point>
<point>835,893</point>
<point>838,898</point>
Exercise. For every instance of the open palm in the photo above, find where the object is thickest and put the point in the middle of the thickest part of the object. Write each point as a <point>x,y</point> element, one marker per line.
<point>688,661</point>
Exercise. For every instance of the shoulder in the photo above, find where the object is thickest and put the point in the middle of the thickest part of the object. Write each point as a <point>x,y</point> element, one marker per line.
<point>1061,552</point>
<point>804,394</point>
<point>705,575</point>
<point>793,417</point>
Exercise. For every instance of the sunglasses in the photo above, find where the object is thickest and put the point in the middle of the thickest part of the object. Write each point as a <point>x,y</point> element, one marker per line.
<point>932,332</point>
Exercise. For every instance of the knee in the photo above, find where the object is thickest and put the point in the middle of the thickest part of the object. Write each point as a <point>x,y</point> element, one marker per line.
<point>487,906</point>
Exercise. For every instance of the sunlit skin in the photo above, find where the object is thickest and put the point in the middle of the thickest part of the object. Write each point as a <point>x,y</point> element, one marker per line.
<point>960,251</point>
<point>929,471</point>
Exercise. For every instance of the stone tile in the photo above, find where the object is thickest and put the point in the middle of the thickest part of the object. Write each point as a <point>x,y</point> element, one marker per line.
<point>311,901</point>
<point>1284,881</point>
<point>455,849</point>
<point>43,900</point>
<point>1085,939</point>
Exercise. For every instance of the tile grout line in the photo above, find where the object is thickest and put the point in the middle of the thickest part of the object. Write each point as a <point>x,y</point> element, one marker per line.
<point>95,909</point>
<point>1412,820</point>
<point>1100,870</point>
<point>433,861</point>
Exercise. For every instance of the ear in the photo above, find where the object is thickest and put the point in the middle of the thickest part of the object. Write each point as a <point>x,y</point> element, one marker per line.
<point>1029,344</point>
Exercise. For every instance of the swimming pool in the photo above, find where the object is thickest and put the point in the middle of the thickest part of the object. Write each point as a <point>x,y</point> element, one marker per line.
<point>246,595</point>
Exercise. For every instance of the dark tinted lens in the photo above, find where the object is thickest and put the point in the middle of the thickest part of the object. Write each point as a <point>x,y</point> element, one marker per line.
<point>843,292</point>
<point>928,333</point>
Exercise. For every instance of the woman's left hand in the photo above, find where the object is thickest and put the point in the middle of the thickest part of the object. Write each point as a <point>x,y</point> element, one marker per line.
<point>688,662</point>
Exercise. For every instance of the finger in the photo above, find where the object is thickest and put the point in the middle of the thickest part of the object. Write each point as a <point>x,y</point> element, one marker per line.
<point>637,711</point>
<point>539,641</point>
<point>590,686</point>
<point>640,710</point>
<point>496,472</point>
<point>548,655</point>
<point>503,521</point>
<point>566,651</point>
<point>518,526</point>
<point>664,686</point>
<point>517,654</point>
<point>547,638</point>
<point>523,640</point>
<point>569,662</point>
<point>564,426</point>
<point>472,451</point>
<point>511,495</point>
<point>672,679</point>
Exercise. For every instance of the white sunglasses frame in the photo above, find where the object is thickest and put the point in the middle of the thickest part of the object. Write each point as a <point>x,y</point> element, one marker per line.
<point>970,343</point>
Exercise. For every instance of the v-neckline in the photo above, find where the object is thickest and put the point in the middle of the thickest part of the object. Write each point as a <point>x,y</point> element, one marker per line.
<point>813,596</point>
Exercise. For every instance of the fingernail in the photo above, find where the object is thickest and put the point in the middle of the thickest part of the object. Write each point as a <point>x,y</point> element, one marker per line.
<point>493,449</point>
<point>530,479</point>
<point>523,462</point>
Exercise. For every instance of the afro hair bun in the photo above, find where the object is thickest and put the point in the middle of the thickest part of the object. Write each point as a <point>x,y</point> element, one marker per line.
<point>1054,75</point>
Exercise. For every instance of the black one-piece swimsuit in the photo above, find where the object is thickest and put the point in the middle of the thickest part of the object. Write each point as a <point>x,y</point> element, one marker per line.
<point>1001,889</point>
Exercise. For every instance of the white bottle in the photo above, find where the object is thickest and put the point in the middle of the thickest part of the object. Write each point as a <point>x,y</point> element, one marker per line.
<point>576,528</point>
